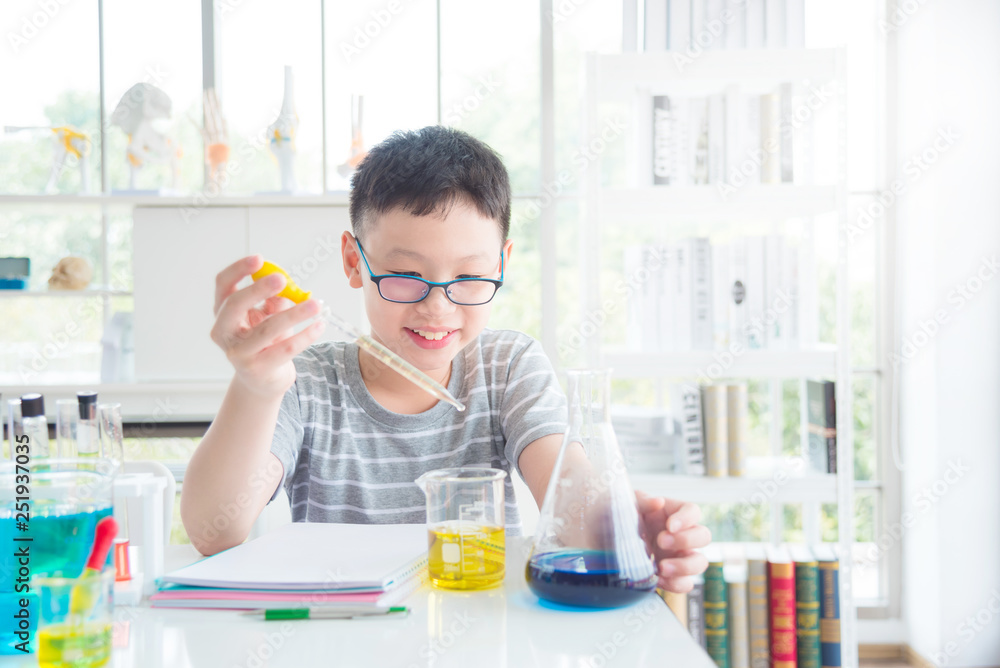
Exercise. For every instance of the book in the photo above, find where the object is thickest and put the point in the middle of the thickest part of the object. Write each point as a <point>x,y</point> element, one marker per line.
<point>696,611</point>
<point>714,409</point>
<point>663,141</point>
<point>755,24</point>
<point>781,607</point>
<point>666,297</point>
<point>700,255</point>
<point>680,286</point>
<point>759,629</point>
<point>806,607</point>
<point>776,288</point>
<point>770,138</point>
<point>678,605</point>
<point>737,311</point>
<point>685,402</point>
<point>736,30</point>
<point>738,427</point>
<point>739,631</point>
<point>716,610</point>
<point>642,271</point>
<point>785,135</point>
<point>697,152</point>
<point>795,23</point>
<point>774,29</point>
<point>722,291</point>
<point>315,556</point>
<point>829,605</point>
<point>754,285</point>
<point>821,397</point>
<point>717,138</point>
<point>679,25</point>
<point>655,25</point>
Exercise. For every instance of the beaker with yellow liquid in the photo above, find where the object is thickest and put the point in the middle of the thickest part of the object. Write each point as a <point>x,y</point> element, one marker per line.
<point>465,526</point>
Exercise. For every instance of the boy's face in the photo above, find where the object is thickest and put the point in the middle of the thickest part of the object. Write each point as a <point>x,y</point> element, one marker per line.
<point>463,244</point>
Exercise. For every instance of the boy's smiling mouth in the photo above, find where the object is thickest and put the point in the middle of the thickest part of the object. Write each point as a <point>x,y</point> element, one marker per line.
<point>430,338</point>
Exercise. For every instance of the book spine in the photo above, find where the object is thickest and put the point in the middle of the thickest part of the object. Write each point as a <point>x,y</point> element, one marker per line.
<point>774,29</point>
<point>790,317</point>
<point>755,327</point>
<point>781,614</point>
<point>737,292</point>
<point>739,632</point>
<point>770,138</point>
<point>722,291</point>
<point>698,140</point>
<point>655,25</point>
<point>691,429</point>
<point>775,282</point>
<point>637,313</point>
<point>736,30</point>
<point>785,120</point>
<point>699,23</point>
<point>680,25</point>
<point>716,615</point>
<point>630,26</point>
<point>829,623</point>
<point>701,294</point>
<point>830,415</point>
<point>807,614</point>
<point>755,24</point>
<point>738,425</point>
<point>678,605</point>
<point>663,125</point>
<point>666,290</point>
<point>716,138</point>
<point>760,655</point>
<point>681,130</point>
<point>750,132</point>
<point>795,23</point>
<point>713,18</point>
<point>696,612</point>
<point>640,141</point>
<point>682,316</point>
<point>716,430</point>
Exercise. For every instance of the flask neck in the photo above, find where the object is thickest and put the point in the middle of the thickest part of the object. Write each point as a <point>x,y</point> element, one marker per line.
<point>589,396</point>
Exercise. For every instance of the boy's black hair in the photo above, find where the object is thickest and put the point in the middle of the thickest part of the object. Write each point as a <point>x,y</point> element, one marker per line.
<point>426,172</point>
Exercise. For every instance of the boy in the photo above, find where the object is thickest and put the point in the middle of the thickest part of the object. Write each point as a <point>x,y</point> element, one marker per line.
<point>346,435</point>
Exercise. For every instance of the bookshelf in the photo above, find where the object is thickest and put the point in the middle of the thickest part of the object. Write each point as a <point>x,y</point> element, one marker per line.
<point>608,207</point>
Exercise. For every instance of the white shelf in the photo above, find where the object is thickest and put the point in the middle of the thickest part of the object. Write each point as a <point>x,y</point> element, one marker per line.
<point>154,403</point>
<point>89,292</point>
<point>817,488</point>
<point>197,200</point>
<point>820,362</point>
<point>663,203</point>
<point>620,74</point>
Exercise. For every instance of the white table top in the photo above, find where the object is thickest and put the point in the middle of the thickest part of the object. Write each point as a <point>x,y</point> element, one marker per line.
<point>506,626</point>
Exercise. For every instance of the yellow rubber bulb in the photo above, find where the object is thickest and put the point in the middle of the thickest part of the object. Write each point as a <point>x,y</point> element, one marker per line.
<point>291,290</point>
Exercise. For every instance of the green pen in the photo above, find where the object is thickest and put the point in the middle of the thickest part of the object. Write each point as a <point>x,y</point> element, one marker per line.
<point>333,612</point>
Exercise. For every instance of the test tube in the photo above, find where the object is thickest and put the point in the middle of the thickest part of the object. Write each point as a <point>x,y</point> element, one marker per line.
<point>15,427</point>
<point>35,426</point>
<point>67,419</point>
<point>88,434</point>
<point>113,447</point>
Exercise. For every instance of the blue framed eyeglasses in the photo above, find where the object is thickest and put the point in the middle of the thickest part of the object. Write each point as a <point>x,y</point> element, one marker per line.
<point>412,289</point>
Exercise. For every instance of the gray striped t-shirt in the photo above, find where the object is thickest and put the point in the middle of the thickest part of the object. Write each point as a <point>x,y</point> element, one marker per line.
<point>348,459</point>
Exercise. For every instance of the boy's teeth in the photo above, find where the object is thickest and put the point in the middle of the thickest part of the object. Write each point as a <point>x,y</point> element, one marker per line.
<point>432,336</point>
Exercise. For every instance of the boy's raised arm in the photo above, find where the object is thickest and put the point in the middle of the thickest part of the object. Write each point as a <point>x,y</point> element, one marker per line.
<point>233,474</point>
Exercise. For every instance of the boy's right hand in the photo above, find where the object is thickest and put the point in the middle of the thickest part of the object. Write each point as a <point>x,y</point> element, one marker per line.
<point>258,340</point>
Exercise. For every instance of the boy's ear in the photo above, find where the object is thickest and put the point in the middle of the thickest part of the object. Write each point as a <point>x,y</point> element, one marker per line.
<point>507,247</point>
<point>352,260</point>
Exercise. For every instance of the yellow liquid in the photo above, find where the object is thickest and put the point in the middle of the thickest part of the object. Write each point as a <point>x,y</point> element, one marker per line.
<point>465,556</point>
<point>80,646</point>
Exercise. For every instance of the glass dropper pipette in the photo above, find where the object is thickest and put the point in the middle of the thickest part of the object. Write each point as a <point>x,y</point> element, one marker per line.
<point>365,342</point>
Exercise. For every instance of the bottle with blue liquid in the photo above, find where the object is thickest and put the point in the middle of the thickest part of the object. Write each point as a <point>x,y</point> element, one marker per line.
<point>588,549</point>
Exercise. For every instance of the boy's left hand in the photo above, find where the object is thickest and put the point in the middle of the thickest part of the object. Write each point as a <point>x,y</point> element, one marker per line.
<point>672,532</point>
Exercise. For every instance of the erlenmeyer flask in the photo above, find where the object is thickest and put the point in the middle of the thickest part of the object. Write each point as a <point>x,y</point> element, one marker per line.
<point>588,549</point>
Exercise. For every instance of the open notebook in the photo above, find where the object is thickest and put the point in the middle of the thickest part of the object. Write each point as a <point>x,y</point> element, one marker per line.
<point>315,557</point>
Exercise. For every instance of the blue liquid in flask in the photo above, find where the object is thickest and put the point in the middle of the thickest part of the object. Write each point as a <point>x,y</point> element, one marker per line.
<point>585,578</point>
